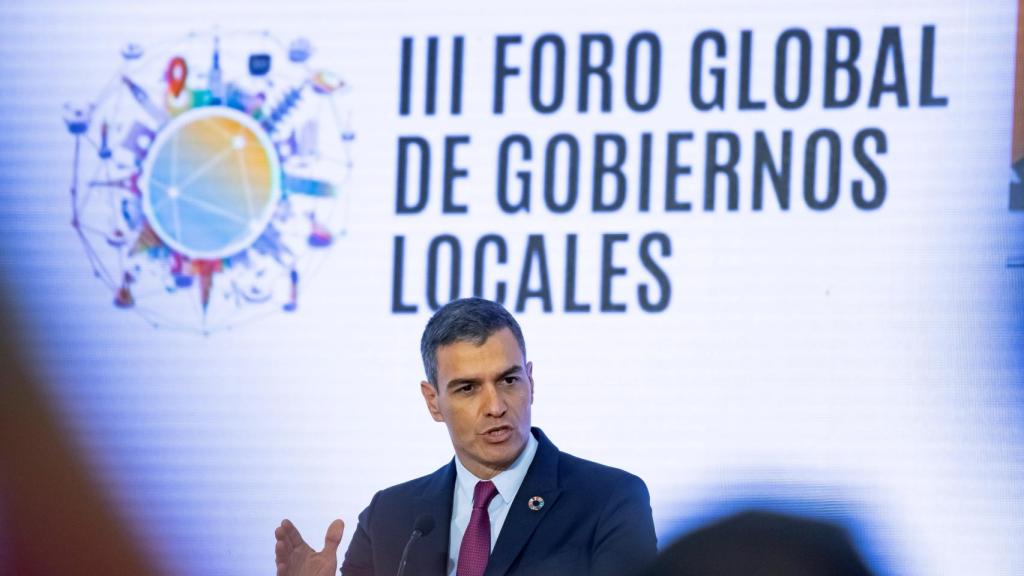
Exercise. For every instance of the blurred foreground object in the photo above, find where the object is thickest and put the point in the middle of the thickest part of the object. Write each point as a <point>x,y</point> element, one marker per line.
<point>765,544</point>
<point>54,518</point>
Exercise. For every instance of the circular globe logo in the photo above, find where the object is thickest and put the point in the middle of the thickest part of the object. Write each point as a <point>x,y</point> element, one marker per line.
<point>209,179</point>
<point>211,182</point>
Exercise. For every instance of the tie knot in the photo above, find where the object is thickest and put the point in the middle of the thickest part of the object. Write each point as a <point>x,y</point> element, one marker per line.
<point>484,492</point>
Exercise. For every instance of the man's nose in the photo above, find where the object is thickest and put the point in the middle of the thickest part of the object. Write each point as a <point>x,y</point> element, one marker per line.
<point>494,402</point>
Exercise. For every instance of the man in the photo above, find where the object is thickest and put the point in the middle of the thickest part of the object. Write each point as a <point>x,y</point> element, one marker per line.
<point>509,503</point>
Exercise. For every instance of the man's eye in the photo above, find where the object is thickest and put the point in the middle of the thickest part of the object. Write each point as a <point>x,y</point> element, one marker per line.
<point>511,379</point>
<point>465,389</point>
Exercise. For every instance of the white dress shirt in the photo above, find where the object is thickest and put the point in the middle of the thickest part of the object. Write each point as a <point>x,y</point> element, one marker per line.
<point>507,483</point>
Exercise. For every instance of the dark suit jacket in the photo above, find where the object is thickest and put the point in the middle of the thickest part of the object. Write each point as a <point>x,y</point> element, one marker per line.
<point>596,520</point>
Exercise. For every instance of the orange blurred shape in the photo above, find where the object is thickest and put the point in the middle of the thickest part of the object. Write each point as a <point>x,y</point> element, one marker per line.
<point>1018,90</point>
<point>54,518</point>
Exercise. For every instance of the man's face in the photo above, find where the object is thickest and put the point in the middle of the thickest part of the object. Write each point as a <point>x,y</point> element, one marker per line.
<point>483,395</point>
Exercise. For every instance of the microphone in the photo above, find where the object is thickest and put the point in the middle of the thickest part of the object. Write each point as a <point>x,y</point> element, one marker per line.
<point>423,525</point>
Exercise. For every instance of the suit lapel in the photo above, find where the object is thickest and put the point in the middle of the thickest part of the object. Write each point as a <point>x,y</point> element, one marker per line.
<point>430,555</point>
<point>541,480</point>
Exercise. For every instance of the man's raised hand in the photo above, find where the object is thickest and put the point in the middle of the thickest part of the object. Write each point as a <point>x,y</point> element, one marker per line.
<point>296,558</point>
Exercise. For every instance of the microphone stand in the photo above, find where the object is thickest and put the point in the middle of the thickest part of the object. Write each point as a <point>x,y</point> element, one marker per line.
<point>416,535</point>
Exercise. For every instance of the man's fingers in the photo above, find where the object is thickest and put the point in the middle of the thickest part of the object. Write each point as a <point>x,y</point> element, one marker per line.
<point>333,538</point>
<point>291,533</point>
<point>281,550</point>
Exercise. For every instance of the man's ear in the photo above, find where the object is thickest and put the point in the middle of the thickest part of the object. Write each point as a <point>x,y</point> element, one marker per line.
<point>430,397</point>
<point>529,374</point>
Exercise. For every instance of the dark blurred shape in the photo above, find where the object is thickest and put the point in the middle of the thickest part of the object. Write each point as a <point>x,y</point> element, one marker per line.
<point>755,543</point>
<point>54,519</point>
<point>259,64</point>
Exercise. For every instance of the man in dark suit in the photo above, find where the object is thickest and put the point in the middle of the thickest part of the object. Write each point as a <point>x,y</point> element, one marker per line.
<point>510,502</point>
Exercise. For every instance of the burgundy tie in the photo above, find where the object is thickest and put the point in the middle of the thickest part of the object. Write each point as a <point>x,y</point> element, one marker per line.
<point>476,542</point>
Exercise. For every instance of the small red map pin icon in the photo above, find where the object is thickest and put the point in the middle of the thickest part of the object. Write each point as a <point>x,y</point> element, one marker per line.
<point>175,75</point>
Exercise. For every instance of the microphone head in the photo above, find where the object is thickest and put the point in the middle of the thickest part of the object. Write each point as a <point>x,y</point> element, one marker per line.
<point>424,524</point>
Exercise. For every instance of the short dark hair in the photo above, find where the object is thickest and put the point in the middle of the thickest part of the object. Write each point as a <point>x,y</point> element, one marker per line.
<point>465,320</point>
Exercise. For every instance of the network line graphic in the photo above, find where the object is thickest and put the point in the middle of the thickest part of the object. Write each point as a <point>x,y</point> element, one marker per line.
<point>210,177</point>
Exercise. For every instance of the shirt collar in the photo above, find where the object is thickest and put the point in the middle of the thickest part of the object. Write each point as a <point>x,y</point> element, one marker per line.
<point>507,481</point>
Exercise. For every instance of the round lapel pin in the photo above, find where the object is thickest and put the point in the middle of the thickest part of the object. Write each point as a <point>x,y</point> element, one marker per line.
<point>535,503</point>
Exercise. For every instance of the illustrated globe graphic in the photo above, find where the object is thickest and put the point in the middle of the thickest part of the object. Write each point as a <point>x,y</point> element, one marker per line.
<point>210,183</point>
<point>208,175</point>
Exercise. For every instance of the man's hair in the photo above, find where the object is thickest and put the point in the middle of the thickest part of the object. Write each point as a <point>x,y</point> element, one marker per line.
<point>466,320</point>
